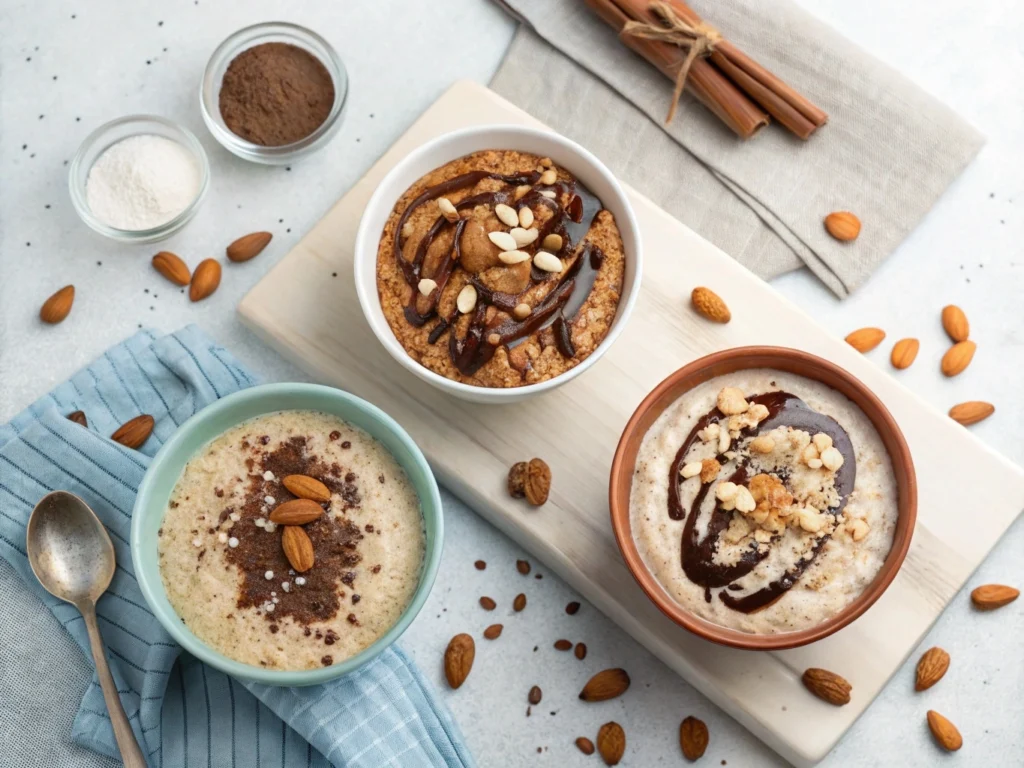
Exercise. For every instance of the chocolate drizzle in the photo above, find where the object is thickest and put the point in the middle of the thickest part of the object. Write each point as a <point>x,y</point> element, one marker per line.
<point>698,554</point>
<point>487,331</point>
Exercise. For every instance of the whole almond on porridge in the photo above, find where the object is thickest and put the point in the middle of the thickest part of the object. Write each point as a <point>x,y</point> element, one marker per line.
<point>693,738</point>
<point>78,417</point>
<point>248,246</point>
<point>842,225</point>
<point>134,432</point>
<point>954,322</point>
<point>931,668</point>
<point>710,305</point>
<point>606,684</point>
<point>306,487</point>
<point>205,280</point>
<point>946,734</point>
<point>493,632</point>
<point>991,596</point>
<point>827,686</point>
<point>611,743</point>
<point>296,512</point>
<point>458,659</point>
<point>58,306</point>
<point>971,412</point>
<point>172,267</point>
<point>865,339</point>
<point>297,548</point>
<point>958,357</point>
<point>904,352</point>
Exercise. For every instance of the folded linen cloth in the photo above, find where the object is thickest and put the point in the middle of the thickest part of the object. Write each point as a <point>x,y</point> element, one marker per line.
<point>887,153</point>
<point>183,712</point>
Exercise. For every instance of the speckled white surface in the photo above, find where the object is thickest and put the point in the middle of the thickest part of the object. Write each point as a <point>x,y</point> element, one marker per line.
<point>400,57</point>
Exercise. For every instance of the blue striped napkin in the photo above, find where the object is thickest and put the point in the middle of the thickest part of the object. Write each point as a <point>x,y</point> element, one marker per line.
<point>183,712</point>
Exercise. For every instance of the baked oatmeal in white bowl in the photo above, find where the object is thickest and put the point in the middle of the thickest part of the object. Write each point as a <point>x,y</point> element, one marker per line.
<point>498,262</point>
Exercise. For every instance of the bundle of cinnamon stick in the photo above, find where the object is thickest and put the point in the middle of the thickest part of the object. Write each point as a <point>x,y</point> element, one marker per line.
<point>743,94</point>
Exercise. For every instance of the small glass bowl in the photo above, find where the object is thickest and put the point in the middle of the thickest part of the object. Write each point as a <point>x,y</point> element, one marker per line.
<point>97,142</point>
<point>271,32</point>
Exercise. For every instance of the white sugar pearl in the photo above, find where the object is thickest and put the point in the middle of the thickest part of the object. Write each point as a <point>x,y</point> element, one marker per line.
<point>300,581</point>
<point>197,542</point>
<point>270,607</point>
<point>286,586</point>
<point>232,542</point>
<point>260,522</point>
<point>274,600</point>
<point>270,527</point>
<point>235,517</point>
<point>268,575</point>
<point>268,499</point>
<point>268,475</point>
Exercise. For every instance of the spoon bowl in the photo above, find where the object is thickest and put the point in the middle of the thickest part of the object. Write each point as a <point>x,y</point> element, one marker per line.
<point>69,549</point>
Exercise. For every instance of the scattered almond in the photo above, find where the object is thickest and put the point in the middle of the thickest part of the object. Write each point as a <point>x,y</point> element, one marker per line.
<point>693,738</point>
<point>493,632</point>
<point>523,566</point>
<point>572,608</point>
<point>427,286</point>
<point>503,240</point>
<point>710,305</point>
<point>448,210</point>
<point>606,684</point>
<point>488,603</point>
<point>247,246</point>
<point>57,307</point>
<point>945,733</point>
<point>991,596</point>
<point>958,357</point>
<point>297,548</point>
<point>134,432</point>
<point>827,686</point>
<point>78,417</point>
<point>458,659</point>
<point>306,487</point>
<point>172,267</point>
<point>507,215</point>
<point>971,412</point>
<point>611,743</point>
<point>526,216</point>
<point>865,339</point>
<point>519,603</point>
<point>931,668</point>
<point>296,512</point>
<point>585,745</point>
<point>466,300</point>
<point>513,257</point>
<point>904,353</point>
<point>547,262</point>
<point>954,321</point>
<point>535,695</point>
<point>580,651</point>
<point>842,225</point>
<point>205,280</point>
<point>563,645</point>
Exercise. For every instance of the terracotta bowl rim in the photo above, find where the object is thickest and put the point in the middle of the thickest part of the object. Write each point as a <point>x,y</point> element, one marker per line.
<point>788,360</point>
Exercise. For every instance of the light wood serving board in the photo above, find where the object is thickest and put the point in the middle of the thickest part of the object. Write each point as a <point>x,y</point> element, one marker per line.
<point>316,322</point>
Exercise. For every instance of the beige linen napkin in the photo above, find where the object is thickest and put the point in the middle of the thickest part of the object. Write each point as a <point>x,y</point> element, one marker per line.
<point>887,153</point>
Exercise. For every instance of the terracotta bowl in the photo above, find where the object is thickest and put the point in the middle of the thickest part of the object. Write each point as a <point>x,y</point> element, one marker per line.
<point>781,359</point>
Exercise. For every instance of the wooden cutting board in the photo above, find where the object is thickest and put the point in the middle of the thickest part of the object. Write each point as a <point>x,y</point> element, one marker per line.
<point>316,322</point>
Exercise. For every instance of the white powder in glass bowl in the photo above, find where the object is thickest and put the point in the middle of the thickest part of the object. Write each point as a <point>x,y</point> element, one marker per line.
<point>142,182</point>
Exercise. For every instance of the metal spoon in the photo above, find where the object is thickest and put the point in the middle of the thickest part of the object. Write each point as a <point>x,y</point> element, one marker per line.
<point>72,556</point>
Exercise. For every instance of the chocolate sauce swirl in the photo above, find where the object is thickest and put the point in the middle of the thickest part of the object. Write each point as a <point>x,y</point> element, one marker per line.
<point>698,554</point>
<point>559,307</point>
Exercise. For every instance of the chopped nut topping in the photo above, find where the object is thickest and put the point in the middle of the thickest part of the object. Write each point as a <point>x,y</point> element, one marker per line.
<point>507,215</point>
<point>731,401</point>
<point>447,209</point>
<point>503,240</point>
<point>549,177</point>
<point>724,440</point>
<point>709,470</point>
<point>822,442</point>
<point>709,433</point>
<point>549,194</point>
<point>466,300</point>
<point>522,311</point>
<point>525,217</point>
<point>744,499</point>
<point>691,470</point>
<point>523,237</point>
<point>832,459</point>
<point>427,286</point>
<point>513,257</point>
<point>521,190</point>
<point>857,529</point>
<point>810,520</point>
<point>547,262</point>
<point>814,464</point>
<point>762,444</point>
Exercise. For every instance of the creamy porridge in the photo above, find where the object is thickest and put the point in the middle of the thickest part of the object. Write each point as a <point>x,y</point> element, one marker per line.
<point>763,501</point>
<point>228,574</point>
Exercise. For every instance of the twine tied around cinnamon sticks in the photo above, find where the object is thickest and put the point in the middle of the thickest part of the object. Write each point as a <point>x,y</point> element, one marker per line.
<point>698,39</point>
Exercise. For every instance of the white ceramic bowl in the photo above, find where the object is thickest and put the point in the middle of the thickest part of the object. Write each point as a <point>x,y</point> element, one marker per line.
<point>568,154</point>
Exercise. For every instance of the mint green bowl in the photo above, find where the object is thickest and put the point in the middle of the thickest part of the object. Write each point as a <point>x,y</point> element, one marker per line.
<point>215,419</point>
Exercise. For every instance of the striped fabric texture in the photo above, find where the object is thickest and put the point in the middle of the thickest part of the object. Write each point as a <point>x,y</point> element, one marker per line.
<point>184,713</point>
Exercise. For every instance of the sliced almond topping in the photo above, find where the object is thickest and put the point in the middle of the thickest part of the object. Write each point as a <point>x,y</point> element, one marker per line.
<point>547,262</point>
<point>522,236</point>
<point>513,256</point>
<point>508,215</point>
<point>503,240</point>
<point>466,300</point>
<point>525,216</point>
<point>427,286</point>
<point>447,209</point>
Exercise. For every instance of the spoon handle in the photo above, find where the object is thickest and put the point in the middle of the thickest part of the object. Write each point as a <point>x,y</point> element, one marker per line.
<point>131,755</point>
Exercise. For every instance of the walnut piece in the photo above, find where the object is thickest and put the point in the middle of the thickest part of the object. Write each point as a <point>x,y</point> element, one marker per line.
<point>731,401</point>
<point>709,470</point>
